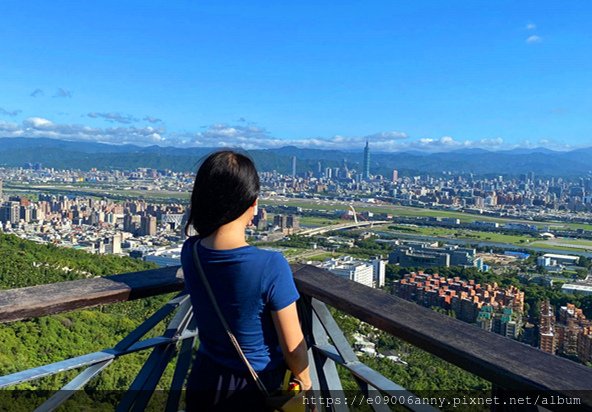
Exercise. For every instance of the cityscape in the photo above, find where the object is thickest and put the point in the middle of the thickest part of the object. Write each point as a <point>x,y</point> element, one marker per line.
<point>533,228</point>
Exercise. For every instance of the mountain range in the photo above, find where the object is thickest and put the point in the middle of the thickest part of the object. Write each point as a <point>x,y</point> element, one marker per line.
<point>61,154</point>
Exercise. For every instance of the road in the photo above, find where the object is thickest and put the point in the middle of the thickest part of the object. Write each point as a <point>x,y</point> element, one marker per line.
<point>341,226</point>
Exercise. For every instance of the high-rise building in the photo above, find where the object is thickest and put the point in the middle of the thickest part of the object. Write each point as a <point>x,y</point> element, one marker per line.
<point>0,190</point>
<point>148,226</point>
<point>293,166</point>
<point>10,212</point>
<point>395,175</point>
<point>547,339</point>
<point>378,271</point>
<point>280,221</point>
<point>366,169</point>
<point>25,214</point>
<point>293,222</point>
<point>116,243</point>
<point>260,220</point>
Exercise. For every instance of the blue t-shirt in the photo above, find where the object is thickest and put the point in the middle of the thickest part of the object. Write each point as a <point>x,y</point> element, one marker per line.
<point>248,283</point>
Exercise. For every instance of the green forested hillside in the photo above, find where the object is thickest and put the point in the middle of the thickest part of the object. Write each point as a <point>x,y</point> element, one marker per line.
<point>24,263</point>
<point>39,341</point>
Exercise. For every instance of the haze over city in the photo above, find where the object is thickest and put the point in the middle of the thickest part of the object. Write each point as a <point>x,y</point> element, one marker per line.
<point>426,75</point>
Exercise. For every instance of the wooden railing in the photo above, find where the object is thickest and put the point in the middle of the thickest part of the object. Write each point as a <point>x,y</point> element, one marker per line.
<point>508,364</point>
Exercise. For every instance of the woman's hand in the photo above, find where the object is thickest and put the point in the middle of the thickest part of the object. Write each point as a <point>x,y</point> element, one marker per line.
<point>292,342</point>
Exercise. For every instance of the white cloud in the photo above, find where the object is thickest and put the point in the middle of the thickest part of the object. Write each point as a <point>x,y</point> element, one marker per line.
<point>249,137</point>
<point>8,128</point>
<point>392,135</point>
<point>253,137</point>
<point>41,127</point>
<point>446,140</point>
<point>38,123</point>
<point>450,143</point>
<point>534,39</point>
<point>531,26</point>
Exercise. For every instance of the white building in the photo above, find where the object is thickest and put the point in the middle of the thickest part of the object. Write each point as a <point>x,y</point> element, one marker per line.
<point>551,260</point>
<point>577,288</point>
<point>378,272</point>
<point>167,257</point>
<point>347,267</point>
<point>545,262</point>
<point>563,259</point>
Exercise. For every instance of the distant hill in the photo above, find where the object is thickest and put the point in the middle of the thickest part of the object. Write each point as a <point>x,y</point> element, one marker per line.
<point>62,154</point>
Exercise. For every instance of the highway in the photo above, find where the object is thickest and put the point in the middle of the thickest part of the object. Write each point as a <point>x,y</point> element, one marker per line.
<point>341,226</point>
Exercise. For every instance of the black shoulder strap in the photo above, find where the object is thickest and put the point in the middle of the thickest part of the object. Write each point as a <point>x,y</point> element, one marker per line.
<point>235,343</point>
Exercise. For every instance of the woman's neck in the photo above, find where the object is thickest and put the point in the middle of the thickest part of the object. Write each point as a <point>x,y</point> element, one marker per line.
<point>228,236</point>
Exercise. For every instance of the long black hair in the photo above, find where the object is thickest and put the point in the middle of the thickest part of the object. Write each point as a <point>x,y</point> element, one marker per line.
<point>225,186</point>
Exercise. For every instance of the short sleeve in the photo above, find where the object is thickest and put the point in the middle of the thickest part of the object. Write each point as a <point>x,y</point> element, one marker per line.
<point>279,288</point>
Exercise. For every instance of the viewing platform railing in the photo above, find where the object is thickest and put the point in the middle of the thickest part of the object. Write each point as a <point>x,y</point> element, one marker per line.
<point>509,365</point>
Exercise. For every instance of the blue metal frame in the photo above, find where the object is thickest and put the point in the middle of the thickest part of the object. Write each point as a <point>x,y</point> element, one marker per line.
<point>180,338</point>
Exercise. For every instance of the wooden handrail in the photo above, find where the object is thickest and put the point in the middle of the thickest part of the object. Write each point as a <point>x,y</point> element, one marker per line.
<point>41,300</point>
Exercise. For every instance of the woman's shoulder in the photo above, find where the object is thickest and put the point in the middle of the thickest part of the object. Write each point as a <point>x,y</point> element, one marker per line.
<point>188,244</point>
<point>247,252</point>
<point>270,255</point>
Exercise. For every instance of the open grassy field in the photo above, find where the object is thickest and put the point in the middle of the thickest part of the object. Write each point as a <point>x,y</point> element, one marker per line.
<point>414,211</point>
<point>155,195</point>
<point>566,244</point>
<point>317,221</point>
<point>465,234</point>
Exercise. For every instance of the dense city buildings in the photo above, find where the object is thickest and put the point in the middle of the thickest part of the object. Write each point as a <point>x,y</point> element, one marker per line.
<point>95,225</point>
<point>568,333</point>
<point>465,298</point>
<point>523,197</point>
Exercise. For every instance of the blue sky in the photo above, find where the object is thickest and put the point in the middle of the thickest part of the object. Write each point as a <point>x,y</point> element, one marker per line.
<point>428,75</point>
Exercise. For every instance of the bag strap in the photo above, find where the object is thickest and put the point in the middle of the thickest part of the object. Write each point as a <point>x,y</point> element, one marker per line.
<point>233,339</point>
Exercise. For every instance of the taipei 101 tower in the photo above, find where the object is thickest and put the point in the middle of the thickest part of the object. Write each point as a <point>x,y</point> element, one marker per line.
<point>366,169</point>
